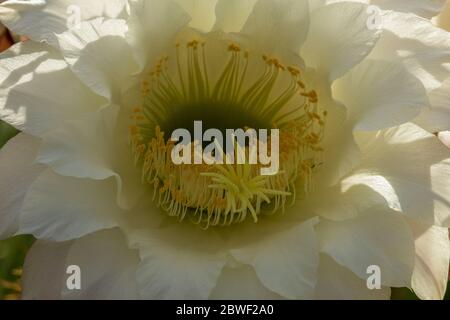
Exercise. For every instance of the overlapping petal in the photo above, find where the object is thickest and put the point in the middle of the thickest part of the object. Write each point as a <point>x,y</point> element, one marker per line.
<point>29,74</point>
<point>275,25</point>
<point>177,262</point>
<point>380,95</point>
<point>17,173</point>
<point>61,208</point>
<point>430,275</point>
<point>335,50</point>
<point>377,238</point>
<point>437,117</point>
<point>100,55</point>
<point>336,282</point>
<point>409,168</point>
<point>241,283</point>
<point>417,43</point>
<point>90,147</point>
<point>202,13</point>
<point>285,260</point>
<point>42,20</point>
<point>231,15</point>
<point>106,264</point>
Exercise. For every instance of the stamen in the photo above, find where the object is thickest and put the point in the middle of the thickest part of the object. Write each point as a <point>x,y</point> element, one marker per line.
<point>224,194</point>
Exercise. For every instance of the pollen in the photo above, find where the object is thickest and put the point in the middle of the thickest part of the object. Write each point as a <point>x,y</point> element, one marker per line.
<point>240,92</point>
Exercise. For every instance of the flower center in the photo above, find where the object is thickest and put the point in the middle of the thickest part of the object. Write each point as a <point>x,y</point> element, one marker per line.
<point>236,91</point>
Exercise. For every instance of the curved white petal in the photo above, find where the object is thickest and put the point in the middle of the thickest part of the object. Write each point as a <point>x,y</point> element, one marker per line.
<point>278,24</point>
<point>335,282</point>
<point>339,203</point>
<point>424,8</point>
<point>100,55</point>
<point>17,172</point>
<point>153,25</point>
<point>107,268</point>
<point>340,157</point>
<point>202,13</point>
<point>231,15</point>
<point>380,95</point>
<point>341,153</point>
<point>430,275</point>
<point>41,20</point>
<point>338,38</point>
<point>241,283</point>
<point>29,74</point>
<point>44,270</point>
<point>445,137</point>
<point>60,208</point>
<point>89,147</point>
<point>84,148</point>
<point>414,41</point>
<point>437,117</point>
<point>377,238</point>
<point>178,262</point>
<point>410,169</point>
<point>285,261</point>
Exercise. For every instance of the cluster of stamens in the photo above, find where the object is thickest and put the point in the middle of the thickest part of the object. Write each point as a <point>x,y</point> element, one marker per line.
<point>223,194</point>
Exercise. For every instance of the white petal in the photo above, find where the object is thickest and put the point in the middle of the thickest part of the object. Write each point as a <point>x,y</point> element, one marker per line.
<point>341,153</point>
<point>343,41</point>
<point>285,261</point>
<point>424,8</point>
<point>241,283</point>
<point>410,169</point>
<point>437,118</point>
<point>430,275</point>
<point>42,20</point>
<point>337,204</point>
<point>445,137</point>
<point>83,148</point>
<point>153,25</point>
<point>380,95</point>
<point>336,282</point>
<point>340,157</point>
<point>44,270</point>
<point>414,41</point>
<point>61,208</point>
<point>99,54</point>
<point>108,267</point>
<point>275,25</point>
<point>179,262</point>
<point>17,172</point>
<point>89,147</point>
<point>202,13</point>
<point>231,15</point>
<point>376,238</point>
<point>29,74</point>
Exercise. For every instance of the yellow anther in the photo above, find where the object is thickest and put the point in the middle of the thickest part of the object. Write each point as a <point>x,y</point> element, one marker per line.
<point>234,48</point>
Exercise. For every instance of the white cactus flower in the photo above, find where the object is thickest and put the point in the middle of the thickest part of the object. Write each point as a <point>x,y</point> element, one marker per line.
<point>356,89</point>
